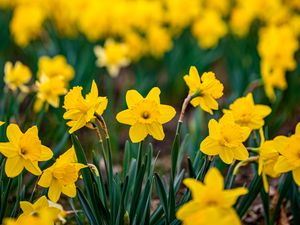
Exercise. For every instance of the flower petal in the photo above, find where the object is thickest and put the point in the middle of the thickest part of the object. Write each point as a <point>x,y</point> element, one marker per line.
<point>137,132</point>
<point>166,113</point>
<point>241,153</point>
<point>156,130</point>
<point>296,175</point>
<point>14,133</point>
<point>46,179</point>
<point>226,156</point>
<point>54,190</point>
<point>154,95</point>
<point>14,166</point>
<point>133,97</point>
<point>69,190</point>
<point>126,117</point>
<point>214,179</point>
<point>282,165</point>
<point>8,150</point>
<point>33,167</point>
<point>209,146</point>
<point>46,153</point>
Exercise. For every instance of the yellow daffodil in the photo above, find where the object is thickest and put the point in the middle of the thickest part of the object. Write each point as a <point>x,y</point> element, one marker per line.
<point>39,206</point>
<point>206,89</point>
<point>210,203</point>
<point>16,76</point>
<point>289,160</point>
<point>268,156</point>
<point>145,115</point>
<point>226,139</point>
<point>209,28</point>
<point>55,67</point>
<point>61,176</point>
<point>23,150</point>
<point>113,56</point>
<point>49,89</point>
<point>26,24</point>
<point>81,111</point>
<point>248,114</point>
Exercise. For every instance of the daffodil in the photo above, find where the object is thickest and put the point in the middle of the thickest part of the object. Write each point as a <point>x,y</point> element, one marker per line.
<point>55,67</point>
<point>206,89</point>
<point>81,111</point>
<point>226,139</point>
<point>49,89</point>
<point>23,150</point>
<point>55,211</point>
<point>210,203</point>
<point>113,56</point>
<point>248,114</point>
<point>145,115</point>
<point>16,76</point>
<point>289,160</point>
<point>61,176</point>
<point>268,156</point>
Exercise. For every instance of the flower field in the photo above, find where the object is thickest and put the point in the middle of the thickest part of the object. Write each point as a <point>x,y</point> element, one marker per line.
<point>149,112</point>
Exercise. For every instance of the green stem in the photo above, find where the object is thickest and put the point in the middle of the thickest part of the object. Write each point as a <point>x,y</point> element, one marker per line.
<point>4,200</point>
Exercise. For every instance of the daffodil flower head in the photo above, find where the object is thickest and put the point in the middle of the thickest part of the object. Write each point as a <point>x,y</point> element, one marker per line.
<point>248,114</point>
<point>55,67</point>
<point>226,139</point>
<point>210,203</point>
<point>23,150</point>
<point>205,89</point>
<point>49,89</point>
<point>61,176</point>
<point>289,159</point>
<point>81,111</point>
<point>113,56</point>
<point>16,76</point>
<point>145,115</point>
<point>268,156</point>
<point>36,209</point>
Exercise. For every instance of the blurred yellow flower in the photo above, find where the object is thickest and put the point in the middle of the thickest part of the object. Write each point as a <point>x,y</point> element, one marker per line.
<point>210,203</point>
<point>16,76</point>
<point>55,211</point>
<point>136,45</point>
<point>145,115</point>
<point>206,89</point>
<point>159,41</point>
<point>82,110</point>
<point>226,139</point>
<point>209,28</point>
<point>23,150</point>
<point>113,56</point>
<point>268,156</point>
<point>61,176</point>
<point>48,90</point>
<point>289,160</point>
<point>55,67</point>
<point>1,123</point>
<point>276,58</point>
<point>248,114</point>
<point>26,24</point>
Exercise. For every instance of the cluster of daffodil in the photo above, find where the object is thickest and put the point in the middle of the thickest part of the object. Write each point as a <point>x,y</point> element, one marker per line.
<point>211,202</point>
<point>53,78</point>
<point>152,25</point>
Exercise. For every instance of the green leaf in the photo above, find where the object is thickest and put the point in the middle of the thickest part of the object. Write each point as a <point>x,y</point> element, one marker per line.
<point>162,194</point>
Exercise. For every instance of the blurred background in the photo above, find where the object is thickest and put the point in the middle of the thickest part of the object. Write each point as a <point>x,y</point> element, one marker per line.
<point>251,45</point>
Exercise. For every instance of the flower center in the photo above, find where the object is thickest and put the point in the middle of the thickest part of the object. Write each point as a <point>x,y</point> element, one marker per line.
<point>146,115</point>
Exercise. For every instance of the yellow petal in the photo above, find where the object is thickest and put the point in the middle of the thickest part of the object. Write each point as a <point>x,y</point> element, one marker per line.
<point>126,117</point>
<point>226,156</point>
<point>78,124</point>
<point>166,113</point>
<point>154,95</point>
<point>214,129</point>
<point>193,73</point>
<point>210,102</point>
<point>45,179</point>
<point>14,166</point>
<point>137,132</point>
<point>282,165</point>
<point>156,130</point>
<point>262,110</point>
<point>214,179</point>
<point>46,153</point>
<point>187,210</point>
<point>265,182</point>
<point>210,146</point>
<point>297,131</point>
<point>296,175</point>
<point>195,187</point>
<point>280,143</point>
<point>241,153</point>
<point>69,190</point>
<point>33,167</point>
<point>54,191</point>
<point>102,105</point>
<point>8,150</point>
<point>231,195</point>
<point>42,202</point>
<point>26,207</point>
<point>133,97</point>
<point>14,133</point>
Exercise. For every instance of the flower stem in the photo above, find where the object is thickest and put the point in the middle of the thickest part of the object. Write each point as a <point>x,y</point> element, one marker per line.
<point>244,163</point>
